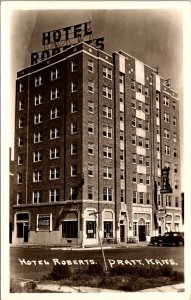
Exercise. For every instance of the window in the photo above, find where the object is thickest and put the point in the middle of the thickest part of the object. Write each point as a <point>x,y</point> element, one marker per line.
<point>74,66</point>
<point>132,84</point>
<point>38,118</point>
<point>20,159</point>
<point>134,197</point>
<point>139,105</point>
<point>133,139</point>
<point>54,94</point>
<point>122,195</point>
<point>148,198</point>
<point>38,100</point>
<point>121,154</point>
<point>21,105</point>
<point>91,229</point>
<point>19,178</point>
<point>74,107</point>
<point>166,117</point>
<point>54,153</point>
<point>174,121</point>
<point>167,150</point>
<point>107,112</point>
<point>90,192</point>
<point>90,170</point>
<point>146,125</point>
<point>134,178</point>
<point>175,168</point>
<point>176,201</point>
<point>174,106</point>
<point>107,152</point>
<point>146,91</point>
<point>108,229</point>
<point>107,73</point>
<point>21,87</point>
<point>133,121</point>
<point>21,123</point>
<point>107,92</point>
<point>139,123</point>
<point>74,86</point>
<point>107,172</point>
<point>90,148</point>
<point>121,135</point>
<point>73,149</point>
<point>55,74</point>
<point>38,80</point>
<point>54,133</point>
<point>122,116</point>
<point>90,127</point>
<point>159,200</point>
<point>122,174</point>
<point>37,176</point>
<point>158,147</point>
<point>37,137</point>
<point>158,129</point>
<point>37,197</point>
<point>141,160</point>
<point>147,179</point>
<point>37,156</point>
<point>107,132</point>
<point>133,104</point>
<point>167,133</point>
<point>139,87</point>
<point>157,112</point>
<point>141,198</point>
<point>54,113</point>
<point>74,193</point>
<point>168,200</point>
<point>134,158</point>
<point>140,141</point>
<point>166,101</point>
<point>121,78</point>
<point>70,229</point>
<point>19,198</point>
<point>157,96</point>
<point>73,170</point>
<point>91,86</point>
<point>147,161</point>
<point>176,185</point>
<point>107,194</point>
<point>54,173</point>
<point>175,152</point>
<point>174,137</point>
<point>90,66</point>
<point>146,108</point>
<point>158,163</point>
<point>54,195</point>
<point>141,178</point>
<point>121,97</point>
<point>90,107</point>
<point>134,228</point>
<point>146,143</point>
<point>74,128</point>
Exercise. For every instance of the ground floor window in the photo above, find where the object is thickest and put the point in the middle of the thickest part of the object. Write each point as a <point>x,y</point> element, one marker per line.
<point>91,229</point>
<point>20,230</point>
<point>44,222</point>
<point>22,220</point>
<point>108,229</point>
<point>70,229</point>
<point>147,228</point>
<point>176,226</point>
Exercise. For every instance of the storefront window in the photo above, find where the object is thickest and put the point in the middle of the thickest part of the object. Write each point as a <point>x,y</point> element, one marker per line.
<point>70,229</point>
<point>108,229</point>
<point>91,229</point>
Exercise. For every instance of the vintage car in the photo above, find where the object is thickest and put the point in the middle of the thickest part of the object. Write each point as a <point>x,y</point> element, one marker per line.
<point>172,238</point>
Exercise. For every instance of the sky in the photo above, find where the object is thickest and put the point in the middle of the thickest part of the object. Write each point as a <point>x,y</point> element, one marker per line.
<point>153,36</point>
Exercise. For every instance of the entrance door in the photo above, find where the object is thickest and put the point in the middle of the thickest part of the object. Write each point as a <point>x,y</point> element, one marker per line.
<point>122,233</point>
<point>26,233</point>
<point>142,233</point>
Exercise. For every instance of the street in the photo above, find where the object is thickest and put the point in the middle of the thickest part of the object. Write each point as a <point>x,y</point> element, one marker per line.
<point>31,263</point>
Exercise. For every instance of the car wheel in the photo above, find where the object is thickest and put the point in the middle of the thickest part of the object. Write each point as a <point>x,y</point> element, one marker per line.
<point>160,243</point>
<point>180,243</point>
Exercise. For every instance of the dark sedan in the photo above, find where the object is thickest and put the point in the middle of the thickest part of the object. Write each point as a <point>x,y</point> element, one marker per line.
<point>172,238</point>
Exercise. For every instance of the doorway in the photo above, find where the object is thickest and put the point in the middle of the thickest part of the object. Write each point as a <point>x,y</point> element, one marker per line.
<point>26,233</point>
<point>142,233</point>
<point>122,233</point>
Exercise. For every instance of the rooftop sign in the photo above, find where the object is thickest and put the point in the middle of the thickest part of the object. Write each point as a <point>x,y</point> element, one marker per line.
<point>61,39</point>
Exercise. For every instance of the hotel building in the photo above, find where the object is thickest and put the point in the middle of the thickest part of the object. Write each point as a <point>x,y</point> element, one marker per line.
<point>92,134</point>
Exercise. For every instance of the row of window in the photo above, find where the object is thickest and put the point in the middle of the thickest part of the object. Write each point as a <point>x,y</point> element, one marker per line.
<point>167,151</point>
<point>140,141</point>
<point>168,201</point>
<point>136,86</point>
<point>141,198</point>
<point>139,123</point>
<point>54,195</point>
<point>141,178</point>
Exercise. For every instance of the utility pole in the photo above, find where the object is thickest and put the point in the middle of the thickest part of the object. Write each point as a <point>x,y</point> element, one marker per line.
<point>95,215</point>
